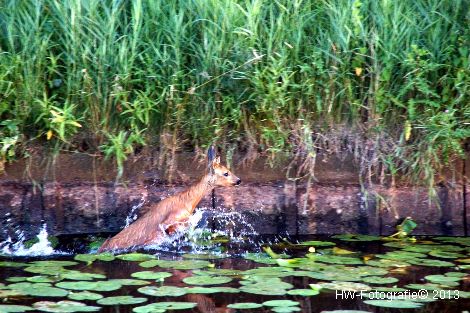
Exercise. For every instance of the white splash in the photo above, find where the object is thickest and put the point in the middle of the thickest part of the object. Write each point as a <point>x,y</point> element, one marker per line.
<point>42,247</point>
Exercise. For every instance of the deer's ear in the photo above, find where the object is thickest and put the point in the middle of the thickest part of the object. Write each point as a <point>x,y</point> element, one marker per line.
<point>216,161</point>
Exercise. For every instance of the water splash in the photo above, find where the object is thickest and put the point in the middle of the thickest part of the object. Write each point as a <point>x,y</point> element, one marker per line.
<point>132,216</point>
<point>41,248</point>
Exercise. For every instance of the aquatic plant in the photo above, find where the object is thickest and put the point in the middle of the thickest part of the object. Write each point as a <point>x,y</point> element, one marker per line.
<point>387,81</point>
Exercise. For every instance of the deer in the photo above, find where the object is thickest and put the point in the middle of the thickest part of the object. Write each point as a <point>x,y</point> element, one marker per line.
<point>172,213</point>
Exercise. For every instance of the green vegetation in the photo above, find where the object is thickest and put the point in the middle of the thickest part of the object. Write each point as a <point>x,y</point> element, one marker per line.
<point>385,80</point>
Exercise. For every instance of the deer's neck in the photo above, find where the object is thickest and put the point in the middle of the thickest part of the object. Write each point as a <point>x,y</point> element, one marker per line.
<point>196,192</point>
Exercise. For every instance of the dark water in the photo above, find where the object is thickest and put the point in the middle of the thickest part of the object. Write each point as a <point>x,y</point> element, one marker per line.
<point>327,300</point>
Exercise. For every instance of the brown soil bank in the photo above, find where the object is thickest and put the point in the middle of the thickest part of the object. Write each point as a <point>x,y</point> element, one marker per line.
<point>77,194</point>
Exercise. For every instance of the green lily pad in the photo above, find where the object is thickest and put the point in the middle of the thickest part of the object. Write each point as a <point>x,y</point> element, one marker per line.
<point>203,280</point>
<point>38,289</point>
<point>260,258</point>
<point>244,305</point>
<point>154,307</point>
<point>45,270</point>
<point>64,306</point>
<point>218,271</point>
<point>280,303</point>
<point>84,295</point>
<point>10,308</point>
<point>77,275</point>
<point>205,290</point>
<point>121,300</point>
<point>137,257</point>
<point>303,292</point>
<point>388,263</point>
<point>264,288</point>
<point>130,282</point>
<point>151,275</point>
<point>398,304</point>
<point>13,264</point>
<point>43,279</point>
<point>445,254</point>
<point>86,285</point>
<point>344,285</point>
<point>178,265</point>
<point>16,279</point>
<point>10,293</point>
<point>441,279</point>
<point>285,309</point>
<point>89,258</point>
<point>164,291</point>
<point>428,262</point>
<point>336,259</point>
<point>379,280</point>
<point>53,263</point>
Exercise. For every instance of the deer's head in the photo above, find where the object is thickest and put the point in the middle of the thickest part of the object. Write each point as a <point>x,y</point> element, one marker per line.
<point>220,175</point>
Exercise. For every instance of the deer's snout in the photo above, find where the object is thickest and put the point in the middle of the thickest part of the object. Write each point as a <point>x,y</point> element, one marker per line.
<point>239,181</point>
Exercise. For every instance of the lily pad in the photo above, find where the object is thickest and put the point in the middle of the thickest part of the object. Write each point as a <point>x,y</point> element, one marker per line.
<point>379,280</point>
<point>303,292</point>
<point>206,290</point>
<point>151,275</point>
<point>137,257</point>
<point>263,288</point>
<point>154,307</point>
<point>280,303</point>
<point>10,308</point>
<point>95,286</point>
<point>164,291</point>
<point>398,304</point>
<point>260,258</point>
<point>43,279</point>
<point>203,256</point>
<point>285,309</point>
<point>38,289</point>
<point>178,265</point>
<point>64,306</point>
<point>344,285</point>
<point>442,279</point>
<point>428,262</point>
<point>16,279</point>
<point>121,300</point>
<point>352,237</point>
<point>244,305</point>
<point>10,293</point>
<point>130,282</point>
<point>53,263</point>
<point>89,258</point>
<point>202,280</point>
<point>84,295</point>
<point>316,243</point>
<point>77,275</point>
<point>13,264</point>
<point>445,254</point>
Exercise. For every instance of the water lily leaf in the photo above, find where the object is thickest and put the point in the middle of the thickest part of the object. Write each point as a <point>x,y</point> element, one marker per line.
<point>86,285</point>
<point>10,308</point>
<point>13,264</point>
<point>84,295</point>
<point>388,263</point>
<point>427,262</point>
<point>316,243</point>
<point>154,307</point>
<point>121,300</point>
<point>280,303</point>
<point>274,255</point>
<point>16,279</point>
<point>455,274</point>
<point>398,304</point>
<point>164,291</point>
<point>64,306</point>
<point>151,275</point>
<point>130,282</point>
<point>442,279</point>
<point>45,270</point>
<point>303,292</point>
<point>137,257</point>
<point>244,305</point>
<point>53,263</point>
<point>335,259</point>
<point>206,280</point>
<point>204,256</point>
<point>206,290</point>
<point>445,254</point>
<point>344,285</point>
<point>427,286</point>
<point>340,251</point>
<point>89,258</point>
<point>218,271</point>
<point>264,289</point>
<point>464,241</point>
<point>10,293</point>
<point>43,279</point>
<point>285,309</point>
<point>260,258</point>
<point>38,289</point>
<point>76,275</point>
<point>379,280</point>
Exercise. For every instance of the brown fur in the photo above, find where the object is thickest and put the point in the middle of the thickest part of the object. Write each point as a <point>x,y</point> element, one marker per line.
<point>171,213</point>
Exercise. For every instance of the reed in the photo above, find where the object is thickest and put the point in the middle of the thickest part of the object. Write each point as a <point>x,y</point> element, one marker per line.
<point>386,80</point>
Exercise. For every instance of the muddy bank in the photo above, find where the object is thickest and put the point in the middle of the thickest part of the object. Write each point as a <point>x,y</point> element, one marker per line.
<point>77,194</point>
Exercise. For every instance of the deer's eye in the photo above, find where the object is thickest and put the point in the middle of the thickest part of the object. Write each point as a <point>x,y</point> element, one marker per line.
<point>226,174</point>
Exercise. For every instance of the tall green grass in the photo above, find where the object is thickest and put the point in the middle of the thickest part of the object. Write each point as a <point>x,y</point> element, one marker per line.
<point>386,80</point>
